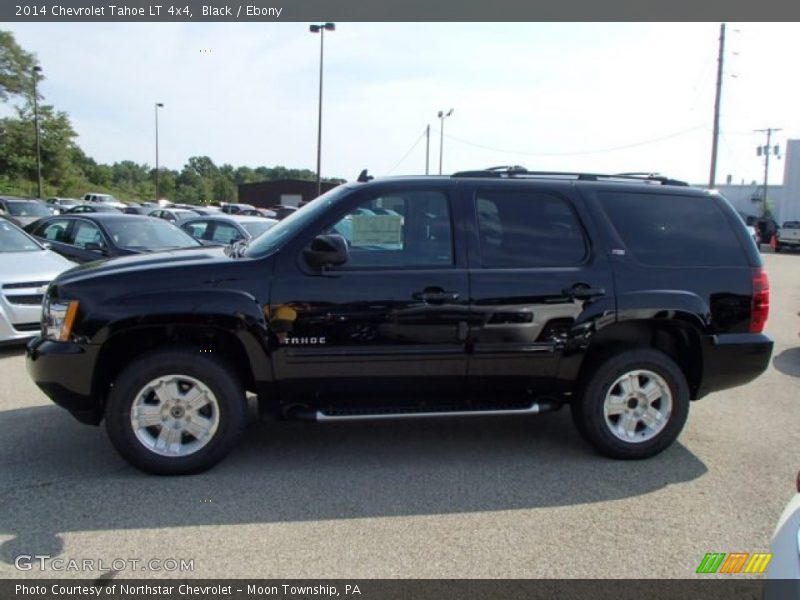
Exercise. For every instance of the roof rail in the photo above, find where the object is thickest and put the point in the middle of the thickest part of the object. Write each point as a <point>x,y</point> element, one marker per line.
<point>518,172</point>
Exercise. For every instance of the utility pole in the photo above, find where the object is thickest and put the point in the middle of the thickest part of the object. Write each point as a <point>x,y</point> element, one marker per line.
<point>156,107</point>
<point>36,70</point>
<point>715,139</point>
<point>427,149</point>
<point>442,116</point>
<point>766,151</point>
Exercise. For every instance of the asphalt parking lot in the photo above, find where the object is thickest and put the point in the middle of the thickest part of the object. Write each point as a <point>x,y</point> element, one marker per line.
<point>452,498</point>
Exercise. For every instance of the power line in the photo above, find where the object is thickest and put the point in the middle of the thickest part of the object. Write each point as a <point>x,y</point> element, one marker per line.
<point>410,150</point>
<point>597,151</point>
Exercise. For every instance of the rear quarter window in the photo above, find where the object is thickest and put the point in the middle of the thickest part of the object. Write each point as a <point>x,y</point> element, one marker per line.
<point>673,230</point>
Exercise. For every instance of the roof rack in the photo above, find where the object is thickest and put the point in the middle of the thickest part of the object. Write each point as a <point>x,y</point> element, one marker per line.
<point>518,172</point>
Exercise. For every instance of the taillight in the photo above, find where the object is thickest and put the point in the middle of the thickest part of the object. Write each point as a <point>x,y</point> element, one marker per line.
<point>760,308</point>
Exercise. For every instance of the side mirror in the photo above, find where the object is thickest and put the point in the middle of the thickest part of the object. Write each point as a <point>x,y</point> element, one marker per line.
<point>47,245</point>
<point>327,251</point>
<point>95,247</point>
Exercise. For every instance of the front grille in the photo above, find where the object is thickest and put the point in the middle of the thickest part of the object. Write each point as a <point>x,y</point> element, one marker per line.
<point>27,326</point>
<point>27,284</point>
<point>25,299</point>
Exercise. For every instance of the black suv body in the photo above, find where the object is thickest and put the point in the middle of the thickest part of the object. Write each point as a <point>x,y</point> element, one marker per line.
<point>486,292</point>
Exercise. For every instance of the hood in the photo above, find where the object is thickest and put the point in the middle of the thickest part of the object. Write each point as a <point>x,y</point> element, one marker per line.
<point>137,264</point>
<point>39,265</point>
<point>24,221</point>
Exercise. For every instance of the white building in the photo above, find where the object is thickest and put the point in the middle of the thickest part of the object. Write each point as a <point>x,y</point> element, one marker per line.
<point>784,200</point>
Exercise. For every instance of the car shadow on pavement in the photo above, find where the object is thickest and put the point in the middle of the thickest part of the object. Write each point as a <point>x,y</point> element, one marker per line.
<point>9,350</point>
<point>59,476</point>
<point>788,362</point>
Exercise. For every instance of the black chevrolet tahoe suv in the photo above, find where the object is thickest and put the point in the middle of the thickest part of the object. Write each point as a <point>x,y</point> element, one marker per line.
<point>488,292</point>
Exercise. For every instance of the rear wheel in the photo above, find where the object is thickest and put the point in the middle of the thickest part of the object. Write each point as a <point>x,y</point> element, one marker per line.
<point>633,405</point>
<point>175,412</point>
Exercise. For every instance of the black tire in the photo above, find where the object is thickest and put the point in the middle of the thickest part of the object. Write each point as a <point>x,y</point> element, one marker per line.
<point>588,407</point>
<point>188,362</point>
<point>777,248</point>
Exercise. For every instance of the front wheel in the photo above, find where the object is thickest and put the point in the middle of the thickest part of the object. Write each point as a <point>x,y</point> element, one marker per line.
<point>175,412</point>
<point>633,405</point>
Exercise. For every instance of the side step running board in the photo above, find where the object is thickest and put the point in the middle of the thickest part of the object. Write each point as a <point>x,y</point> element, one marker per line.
<point>535,408</point>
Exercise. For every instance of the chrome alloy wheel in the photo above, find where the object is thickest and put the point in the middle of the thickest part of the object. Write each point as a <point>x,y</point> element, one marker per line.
<point>175,415</point>
<point>637,406</point>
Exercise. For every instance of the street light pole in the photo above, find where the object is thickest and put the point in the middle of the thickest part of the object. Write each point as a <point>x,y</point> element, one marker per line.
<point>320,29</point>
<point>157,106</point>
<point>442,116</point>
<point>36,70</point>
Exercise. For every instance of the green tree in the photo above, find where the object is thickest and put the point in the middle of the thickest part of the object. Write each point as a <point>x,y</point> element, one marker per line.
<point>223,190</point>
<point>16,68</point>
<point>18,146</point>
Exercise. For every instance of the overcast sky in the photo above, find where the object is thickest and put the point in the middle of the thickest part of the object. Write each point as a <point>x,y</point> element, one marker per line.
<point>591,97</point>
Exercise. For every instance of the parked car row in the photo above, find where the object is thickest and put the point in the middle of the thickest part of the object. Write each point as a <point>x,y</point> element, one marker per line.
<point>278,211</point>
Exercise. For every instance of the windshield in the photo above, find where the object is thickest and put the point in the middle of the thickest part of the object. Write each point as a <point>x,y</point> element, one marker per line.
<point>148,234</point>
<point>295,222</point>
<point>256,228</point>
<point>13,240</point>
<point>791,225</point>
<point>28,209</point>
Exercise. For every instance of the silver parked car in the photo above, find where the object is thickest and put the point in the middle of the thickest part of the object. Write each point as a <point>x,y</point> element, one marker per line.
<point>26,268</point>
<point>22,211</point>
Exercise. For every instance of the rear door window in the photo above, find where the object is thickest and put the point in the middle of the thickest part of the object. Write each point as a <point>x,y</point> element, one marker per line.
<point>197,229</point>
<point>225,233</point>
<point>673,230</point>
<point>528,228</point>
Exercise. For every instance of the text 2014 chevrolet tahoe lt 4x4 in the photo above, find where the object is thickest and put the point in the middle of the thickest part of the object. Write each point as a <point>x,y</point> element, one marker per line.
<point>488,292</point>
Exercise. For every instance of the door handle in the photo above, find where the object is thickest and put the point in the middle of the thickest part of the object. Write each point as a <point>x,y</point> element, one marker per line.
<point>581,291</point>
<point>435,296</point>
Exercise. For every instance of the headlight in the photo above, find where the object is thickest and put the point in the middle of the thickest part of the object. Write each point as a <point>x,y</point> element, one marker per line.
<point>58,318</point>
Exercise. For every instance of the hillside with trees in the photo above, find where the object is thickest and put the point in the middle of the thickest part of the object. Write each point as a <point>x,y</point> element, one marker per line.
<point>68,172</point>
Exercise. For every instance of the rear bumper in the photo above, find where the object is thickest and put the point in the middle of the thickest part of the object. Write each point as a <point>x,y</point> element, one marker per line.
<point>64,371</point>
<point>732,360</point>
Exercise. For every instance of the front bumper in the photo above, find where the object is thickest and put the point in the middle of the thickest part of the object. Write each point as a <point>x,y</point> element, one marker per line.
<point>64,371</point>
<point>19,322</point>
<point>733,359</point>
